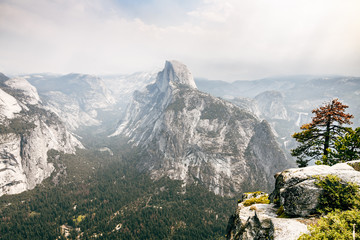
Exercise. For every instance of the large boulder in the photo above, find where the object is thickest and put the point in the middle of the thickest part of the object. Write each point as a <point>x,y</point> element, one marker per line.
<point>260,221</point>
<point>296,191</point>
<point>295,199</point>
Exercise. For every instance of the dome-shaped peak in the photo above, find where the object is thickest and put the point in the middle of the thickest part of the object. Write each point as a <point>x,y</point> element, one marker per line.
<point>176,72</point>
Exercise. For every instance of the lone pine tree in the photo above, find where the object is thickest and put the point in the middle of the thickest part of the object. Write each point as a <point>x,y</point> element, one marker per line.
<point>318,137</point>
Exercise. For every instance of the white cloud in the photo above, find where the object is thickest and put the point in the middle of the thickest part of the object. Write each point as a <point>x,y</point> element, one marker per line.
<point>214,11</point>
<point>229,39</point>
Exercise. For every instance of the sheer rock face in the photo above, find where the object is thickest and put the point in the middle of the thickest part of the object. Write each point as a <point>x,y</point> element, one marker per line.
<point>194,137</point>
<point>175,73</point>
<point>296,190</point>
<point>28,131</point>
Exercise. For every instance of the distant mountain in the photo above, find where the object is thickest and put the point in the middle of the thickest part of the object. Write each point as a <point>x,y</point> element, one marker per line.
<point>251,88</point>
<point>286,102</point>
<point>76,98</point>
<point>123,86</point>
<point>83,100</point>
<point>27,131</point>
<point>192,136</point>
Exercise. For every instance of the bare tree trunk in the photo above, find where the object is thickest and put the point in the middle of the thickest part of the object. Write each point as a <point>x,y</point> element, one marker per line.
<point>327,138</point>
<point>354,231</point>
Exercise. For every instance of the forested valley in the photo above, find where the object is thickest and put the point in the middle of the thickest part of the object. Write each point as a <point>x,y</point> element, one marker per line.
<point>102,195</point>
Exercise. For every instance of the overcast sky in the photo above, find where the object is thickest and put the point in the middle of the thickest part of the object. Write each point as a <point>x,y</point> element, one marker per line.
<point>217,39</point>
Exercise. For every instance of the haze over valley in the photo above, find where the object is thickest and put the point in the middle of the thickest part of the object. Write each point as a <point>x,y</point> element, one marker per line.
<point>176,119</point>
<point>161,128</point>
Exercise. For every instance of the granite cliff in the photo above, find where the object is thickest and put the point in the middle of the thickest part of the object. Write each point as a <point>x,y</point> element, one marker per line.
<point>28,131</point>
<point>192,136</point>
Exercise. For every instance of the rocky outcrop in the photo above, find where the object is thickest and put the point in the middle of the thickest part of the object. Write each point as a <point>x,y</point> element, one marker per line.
<point>297,192</point>
<point>260,221</point>
<point>297,198</point>
<point>28,131</point>
<point>194,137</point>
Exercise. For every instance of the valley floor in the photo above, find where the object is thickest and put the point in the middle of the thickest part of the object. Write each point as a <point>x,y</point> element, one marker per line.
<point>96,195</point>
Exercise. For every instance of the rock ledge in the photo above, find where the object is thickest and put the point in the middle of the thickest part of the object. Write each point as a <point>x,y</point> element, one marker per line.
<point>297,194</point>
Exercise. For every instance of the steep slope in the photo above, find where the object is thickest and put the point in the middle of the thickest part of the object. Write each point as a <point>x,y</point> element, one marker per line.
<point>3,78</point>
<point>28,131</point>
<point>195,137</point>
<point>271,106</point>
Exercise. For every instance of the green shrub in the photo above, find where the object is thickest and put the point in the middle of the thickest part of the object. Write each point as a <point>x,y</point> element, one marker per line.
<point>255,194</point>
<point>254,200</point>
<point>77,220</point>
<point>177,106</point>
<point>250,195</point>
<point>355,165</point>
<point>337,225</point>
<point>336,194</point>
<point>280,211</point>
<point>17,126</point>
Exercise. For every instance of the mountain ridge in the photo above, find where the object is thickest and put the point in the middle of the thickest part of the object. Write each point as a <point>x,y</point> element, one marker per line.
<point>28,131</point>
<point>194,137</point>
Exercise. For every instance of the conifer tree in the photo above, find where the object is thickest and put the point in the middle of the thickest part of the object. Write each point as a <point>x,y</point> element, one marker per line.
<point>347,147</point>
<point>318,137</point>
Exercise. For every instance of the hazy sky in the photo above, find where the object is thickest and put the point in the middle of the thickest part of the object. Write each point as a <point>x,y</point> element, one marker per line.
<point>216,39</point>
